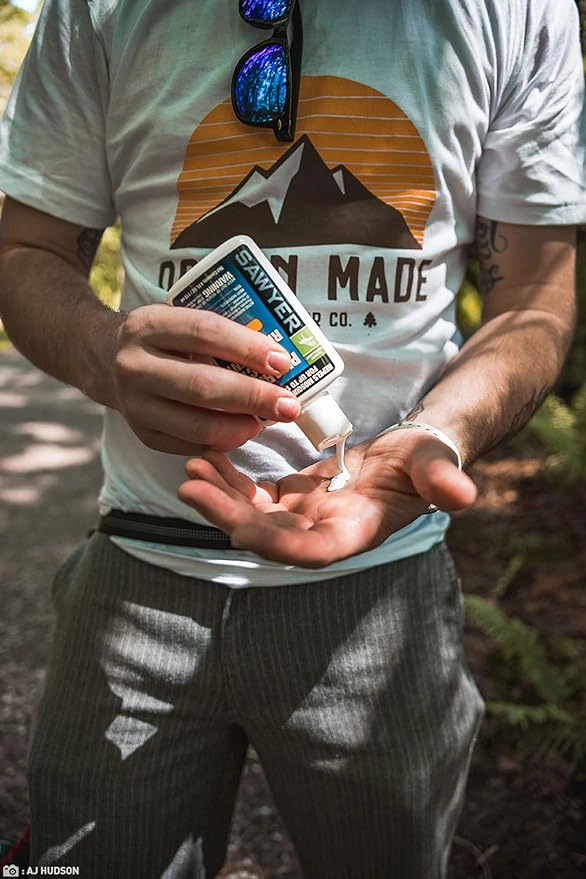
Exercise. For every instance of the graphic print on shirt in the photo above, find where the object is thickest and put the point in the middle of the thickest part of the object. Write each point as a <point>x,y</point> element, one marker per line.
<point>357,173</point>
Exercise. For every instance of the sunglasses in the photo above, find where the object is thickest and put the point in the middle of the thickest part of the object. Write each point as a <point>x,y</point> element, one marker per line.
<point>265,83</point>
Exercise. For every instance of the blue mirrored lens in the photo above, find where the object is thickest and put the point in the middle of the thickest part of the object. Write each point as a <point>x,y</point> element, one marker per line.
<point>260,89</point>
<point>264,10</point>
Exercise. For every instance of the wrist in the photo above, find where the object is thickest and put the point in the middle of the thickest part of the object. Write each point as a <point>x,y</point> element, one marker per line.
<point>424,428</point>
<point>453,419</point>
<point>99,368</point>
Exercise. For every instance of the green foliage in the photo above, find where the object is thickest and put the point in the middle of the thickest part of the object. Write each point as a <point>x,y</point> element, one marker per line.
<point>107,276</point>
<point>525,716</point>
<point>519,643</point>
<point>469,302</point>
<point>531,548</point>
<point>14,40</point>
<point>561,428</point>
<point>9,12</point>
<point>513,568</point>
<point>553,689</point>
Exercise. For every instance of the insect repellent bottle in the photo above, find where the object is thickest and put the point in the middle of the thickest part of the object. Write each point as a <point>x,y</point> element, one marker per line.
<point>237,281</point>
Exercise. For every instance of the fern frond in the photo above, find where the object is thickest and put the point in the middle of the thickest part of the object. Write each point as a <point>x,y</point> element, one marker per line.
<point>525,716</point>
<point>513,568</point>
<point>560,428</point>
<point>520,642</point>
<point>546,730</point>
<point>567,740</point>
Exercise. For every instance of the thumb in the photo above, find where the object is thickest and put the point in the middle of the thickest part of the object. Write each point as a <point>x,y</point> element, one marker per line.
<point>436,478</point>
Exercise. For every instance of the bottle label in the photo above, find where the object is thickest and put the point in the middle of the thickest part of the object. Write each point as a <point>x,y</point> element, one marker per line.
<point>238,287</point>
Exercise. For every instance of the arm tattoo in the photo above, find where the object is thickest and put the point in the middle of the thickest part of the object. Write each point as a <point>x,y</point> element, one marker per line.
<point>415,413</point>
<point>489,243</point>
<point>87,246</point>
<point>528,410</point>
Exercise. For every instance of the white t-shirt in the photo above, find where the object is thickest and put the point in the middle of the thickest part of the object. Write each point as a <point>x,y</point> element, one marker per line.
<point>414,117</point>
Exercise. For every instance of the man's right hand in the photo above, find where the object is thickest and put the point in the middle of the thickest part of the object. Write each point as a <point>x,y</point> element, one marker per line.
<point>173,395</point>
<point>155,364</point>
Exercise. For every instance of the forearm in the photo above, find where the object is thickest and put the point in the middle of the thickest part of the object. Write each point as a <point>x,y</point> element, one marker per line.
<point>504,372</point>
<point>498,380</point>
<point>53,317</point>
<point>151,364</point>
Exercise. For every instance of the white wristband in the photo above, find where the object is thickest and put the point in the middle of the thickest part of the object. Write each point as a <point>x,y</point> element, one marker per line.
<point>427,428</point>
<point>432,431</point>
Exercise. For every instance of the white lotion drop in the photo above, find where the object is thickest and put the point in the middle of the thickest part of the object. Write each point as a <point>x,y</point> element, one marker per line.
<point>342,478</point>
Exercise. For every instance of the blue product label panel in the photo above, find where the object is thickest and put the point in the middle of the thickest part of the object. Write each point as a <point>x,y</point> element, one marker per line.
<point>238,287</point>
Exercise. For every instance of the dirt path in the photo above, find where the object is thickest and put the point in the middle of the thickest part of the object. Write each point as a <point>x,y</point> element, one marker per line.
<point>49,473</point>
<point>517,824</point>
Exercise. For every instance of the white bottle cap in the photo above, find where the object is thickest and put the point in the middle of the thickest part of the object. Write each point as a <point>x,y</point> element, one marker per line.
<point>323,422</point>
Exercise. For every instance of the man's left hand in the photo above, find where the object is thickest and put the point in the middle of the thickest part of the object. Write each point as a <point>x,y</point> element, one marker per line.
<point>296,521</point>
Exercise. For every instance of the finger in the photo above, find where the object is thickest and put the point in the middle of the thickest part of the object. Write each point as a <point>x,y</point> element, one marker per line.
<point>193,426</point>
<point>271,490</point>
<point>232,476</point>
<point>206,385</point>
<point>224,509</point>
<point>265,493</point>
<point>200,332</point>
<point>437,479</point>
<point>208,467</point>
<point>280,535</point>
<point>200,469</point>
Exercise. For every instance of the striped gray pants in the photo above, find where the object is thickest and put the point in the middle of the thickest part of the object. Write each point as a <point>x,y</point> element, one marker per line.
<point>353,692</point>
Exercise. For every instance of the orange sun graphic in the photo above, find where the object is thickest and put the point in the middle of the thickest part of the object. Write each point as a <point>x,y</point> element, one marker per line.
<point>352,127</point>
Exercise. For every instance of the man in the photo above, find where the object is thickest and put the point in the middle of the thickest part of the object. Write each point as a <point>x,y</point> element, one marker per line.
<point>326,630</point>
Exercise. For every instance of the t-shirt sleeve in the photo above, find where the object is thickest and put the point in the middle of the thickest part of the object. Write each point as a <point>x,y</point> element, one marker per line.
<point>52,149</point>
<point>533,168</point>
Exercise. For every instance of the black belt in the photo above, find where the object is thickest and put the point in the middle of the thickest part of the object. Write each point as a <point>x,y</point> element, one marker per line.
<point>162,529</point>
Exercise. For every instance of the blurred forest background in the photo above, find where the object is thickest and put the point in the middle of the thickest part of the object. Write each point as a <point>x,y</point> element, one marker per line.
<point>522,556</point>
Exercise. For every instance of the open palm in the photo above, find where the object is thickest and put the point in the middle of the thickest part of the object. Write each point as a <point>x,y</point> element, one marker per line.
<point>297,521</point>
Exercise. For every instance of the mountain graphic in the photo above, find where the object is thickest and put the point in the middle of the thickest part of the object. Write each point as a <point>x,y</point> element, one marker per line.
<point>300,201</point>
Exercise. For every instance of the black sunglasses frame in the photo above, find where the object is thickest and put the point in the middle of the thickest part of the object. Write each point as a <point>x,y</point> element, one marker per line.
<point>282,125</point>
